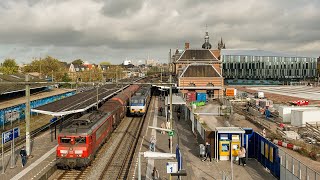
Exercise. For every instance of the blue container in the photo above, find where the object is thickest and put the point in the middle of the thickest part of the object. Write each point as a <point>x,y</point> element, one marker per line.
<point>201,97</point>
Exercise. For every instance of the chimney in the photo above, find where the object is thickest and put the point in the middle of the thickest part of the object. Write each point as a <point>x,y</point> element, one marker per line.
<point>186,45</point>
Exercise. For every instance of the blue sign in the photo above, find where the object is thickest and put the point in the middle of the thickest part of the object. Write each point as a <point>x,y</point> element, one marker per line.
<point>8,135</point>
<point>179,157</point>
<point>53,120</point>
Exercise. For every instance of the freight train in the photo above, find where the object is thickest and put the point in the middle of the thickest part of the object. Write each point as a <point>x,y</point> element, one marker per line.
<point>80,140</point>
<point>139,102</point>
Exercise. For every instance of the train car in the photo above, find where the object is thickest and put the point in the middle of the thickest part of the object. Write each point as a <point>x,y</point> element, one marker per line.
<point>139,102</point>
<point>79,141</point>
<point>123,98</point>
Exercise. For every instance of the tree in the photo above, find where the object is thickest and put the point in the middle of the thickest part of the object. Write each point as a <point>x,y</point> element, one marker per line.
<point>105,63</point>
<point>66,78</point>
<point>9,66</point>
<point>47,67</point>
<point>77,62</point>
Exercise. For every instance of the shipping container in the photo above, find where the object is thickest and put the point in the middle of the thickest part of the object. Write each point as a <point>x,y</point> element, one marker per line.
<point>231,92</point>
<point>254,102</point>
<point>259,95</point>
<point>191,96</point>
<point>300,117</point>
<point>265,103</point>
<point>285,112</point>
<point>201,97</point>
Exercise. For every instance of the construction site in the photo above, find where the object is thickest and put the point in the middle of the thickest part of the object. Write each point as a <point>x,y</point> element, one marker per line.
<point>289,116</point>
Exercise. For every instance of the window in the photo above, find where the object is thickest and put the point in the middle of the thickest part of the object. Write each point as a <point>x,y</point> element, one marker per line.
<point>81,140</point>
<point>65,140</point>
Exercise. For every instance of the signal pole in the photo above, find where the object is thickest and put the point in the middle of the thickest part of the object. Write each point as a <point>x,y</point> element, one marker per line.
<point>27,114</point>
<point>171,111</point>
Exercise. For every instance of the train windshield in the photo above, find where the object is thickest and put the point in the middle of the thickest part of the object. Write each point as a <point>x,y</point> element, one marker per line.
<point>65,140</point>
<point>135,101</point>
<point>80,140</point>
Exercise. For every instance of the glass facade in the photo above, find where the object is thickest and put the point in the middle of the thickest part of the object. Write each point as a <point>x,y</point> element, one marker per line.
<point>268,67</point>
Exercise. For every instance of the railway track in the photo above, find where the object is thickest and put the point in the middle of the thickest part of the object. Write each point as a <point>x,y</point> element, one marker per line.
<point>118,165</point>
<point>110,163</point>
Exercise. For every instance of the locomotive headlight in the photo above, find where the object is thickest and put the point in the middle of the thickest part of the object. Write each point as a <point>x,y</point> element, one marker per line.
<point>78,152</point>
<point>63,151</point>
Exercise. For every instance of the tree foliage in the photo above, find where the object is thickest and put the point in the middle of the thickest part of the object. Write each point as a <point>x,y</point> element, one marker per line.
<point>47,67</point>
<point>105,63</point>
<point>9,66</point>
<point>77,62</point>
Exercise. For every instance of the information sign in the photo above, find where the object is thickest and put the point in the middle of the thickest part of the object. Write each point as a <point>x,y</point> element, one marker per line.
<point>171,133</point>
<point>172,167</point>
<point>53,120</point>
<point>8,135</point>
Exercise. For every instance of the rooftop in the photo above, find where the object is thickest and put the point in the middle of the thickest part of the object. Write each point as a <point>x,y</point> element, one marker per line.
<point>255,52</point>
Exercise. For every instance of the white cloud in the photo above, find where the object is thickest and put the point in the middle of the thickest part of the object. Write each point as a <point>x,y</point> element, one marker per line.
<point>107,29</point>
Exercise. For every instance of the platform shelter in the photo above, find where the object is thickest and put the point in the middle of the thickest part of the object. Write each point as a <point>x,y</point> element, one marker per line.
<point>228,141</point>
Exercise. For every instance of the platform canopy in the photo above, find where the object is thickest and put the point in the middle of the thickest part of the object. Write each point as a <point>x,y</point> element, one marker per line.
<point>230,130</point>
<point>175,99</point>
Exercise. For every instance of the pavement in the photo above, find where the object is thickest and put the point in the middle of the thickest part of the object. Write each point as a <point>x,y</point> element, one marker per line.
<point>189,146</point>
<point>43,158</point>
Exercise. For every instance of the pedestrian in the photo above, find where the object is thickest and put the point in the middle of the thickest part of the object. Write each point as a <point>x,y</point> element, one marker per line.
<point>160,110</point>
<point>152,143</point>
<point>23,154</point>
<point>208,152</point>
<point>155,173</point>
<point>242,156</point>
<point>168,125</point>
<point>178,116</point>
<point>163,126</point>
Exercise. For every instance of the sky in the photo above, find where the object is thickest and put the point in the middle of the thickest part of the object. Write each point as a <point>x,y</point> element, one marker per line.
<point>113,30</point>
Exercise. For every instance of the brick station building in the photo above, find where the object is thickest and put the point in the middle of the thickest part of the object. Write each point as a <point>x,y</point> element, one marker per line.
<point>199,70</point>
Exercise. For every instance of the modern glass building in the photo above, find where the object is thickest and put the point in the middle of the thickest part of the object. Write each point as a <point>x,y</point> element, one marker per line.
<point>259,64</point>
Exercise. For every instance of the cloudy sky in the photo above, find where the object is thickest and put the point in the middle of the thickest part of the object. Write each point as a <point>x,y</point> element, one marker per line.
<point>113,30</point>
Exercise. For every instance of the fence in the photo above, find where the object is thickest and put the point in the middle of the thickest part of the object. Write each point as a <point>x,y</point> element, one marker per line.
<point>291,168</point>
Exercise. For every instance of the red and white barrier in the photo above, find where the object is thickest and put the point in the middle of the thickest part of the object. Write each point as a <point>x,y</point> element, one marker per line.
<point>286,145</point>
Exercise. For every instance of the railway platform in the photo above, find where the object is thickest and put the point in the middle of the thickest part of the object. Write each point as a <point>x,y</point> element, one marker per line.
<point>42,160</point>
<point>189,147</point>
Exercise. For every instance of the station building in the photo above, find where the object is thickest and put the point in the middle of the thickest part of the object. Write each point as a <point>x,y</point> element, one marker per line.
<point>266,65</point>
<point>198,70</point>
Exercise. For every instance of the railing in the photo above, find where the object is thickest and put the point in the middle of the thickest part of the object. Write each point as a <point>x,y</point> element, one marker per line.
<point>293,169</point>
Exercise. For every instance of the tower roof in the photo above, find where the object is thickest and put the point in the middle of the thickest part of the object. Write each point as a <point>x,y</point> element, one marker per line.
<point>206,44</point>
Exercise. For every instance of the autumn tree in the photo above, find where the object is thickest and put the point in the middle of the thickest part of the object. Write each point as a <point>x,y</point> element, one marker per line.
<point>47,67</point>
<point>77,62</point>
<point>105,63</point>
<point>9,66</point>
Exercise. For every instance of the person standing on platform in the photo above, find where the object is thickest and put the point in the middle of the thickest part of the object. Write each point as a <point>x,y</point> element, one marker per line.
<point>208,152</point>
<point>155,173</point>
<point>242,156</point>
<point>152,143</point>
<point>23,154</point>
<point>163,126</point>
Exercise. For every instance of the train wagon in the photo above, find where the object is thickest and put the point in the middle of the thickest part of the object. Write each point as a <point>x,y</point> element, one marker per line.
<point>79,141</point>
<point>139,102</point>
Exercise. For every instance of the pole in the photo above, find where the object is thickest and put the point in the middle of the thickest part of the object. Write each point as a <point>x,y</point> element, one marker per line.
<point>97,97</point>
<point>139,166</point>
<point>27,114</point>
<point>2,155</point>
<point>12,146</point>
<point>247,145</point>
<point>231,162</point>
<point>171,112</point>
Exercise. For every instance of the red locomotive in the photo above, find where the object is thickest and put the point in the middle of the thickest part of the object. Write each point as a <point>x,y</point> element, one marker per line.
<point>80,140</point>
